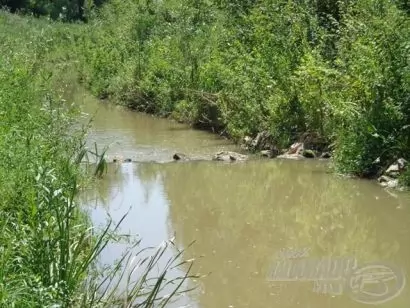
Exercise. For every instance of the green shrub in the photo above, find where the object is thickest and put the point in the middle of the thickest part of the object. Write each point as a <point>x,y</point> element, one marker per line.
<point>292,68</point>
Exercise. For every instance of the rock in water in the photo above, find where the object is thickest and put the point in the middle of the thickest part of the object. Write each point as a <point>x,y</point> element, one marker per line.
<point>118,159</point>
<point>393,183</point>
<point>396,168</point>
<point>296,148</point>
<point>274,152</point>
<point>291,156</point>
<point>393,171</point>
<point>298,151</point>
<point>308,154</point>
<point>180,156</point>
<point>295,151</point>
<point>229,156</point>
<point>326,155</point>
<point>266,153</point>
<point>387,181</point>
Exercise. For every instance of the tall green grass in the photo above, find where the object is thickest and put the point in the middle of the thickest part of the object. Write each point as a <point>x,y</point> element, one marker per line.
<point>49,250</point>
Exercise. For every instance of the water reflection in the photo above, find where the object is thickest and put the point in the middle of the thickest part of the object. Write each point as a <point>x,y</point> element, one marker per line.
<point>241,215</point>
<point>244,214</point>
<point>126,191</point>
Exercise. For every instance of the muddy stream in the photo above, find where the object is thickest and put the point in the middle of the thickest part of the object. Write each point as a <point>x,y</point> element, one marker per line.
<point>271,233</point>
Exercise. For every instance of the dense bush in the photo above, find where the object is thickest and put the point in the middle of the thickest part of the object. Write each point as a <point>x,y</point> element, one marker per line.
<point>335,69</point>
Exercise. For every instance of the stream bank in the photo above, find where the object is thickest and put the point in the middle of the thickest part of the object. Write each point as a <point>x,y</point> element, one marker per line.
<point>242,215</point>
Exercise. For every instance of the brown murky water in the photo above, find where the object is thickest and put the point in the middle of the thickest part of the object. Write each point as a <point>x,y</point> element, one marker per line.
<point>242,216</point>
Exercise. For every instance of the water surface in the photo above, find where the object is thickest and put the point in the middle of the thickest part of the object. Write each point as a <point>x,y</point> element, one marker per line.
<point>242,215</point>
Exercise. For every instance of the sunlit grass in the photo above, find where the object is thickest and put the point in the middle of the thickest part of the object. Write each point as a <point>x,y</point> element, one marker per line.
<point>49,249</point>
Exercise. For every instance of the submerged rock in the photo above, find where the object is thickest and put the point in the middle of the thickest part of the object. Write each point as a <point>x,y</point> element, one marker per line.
<point>229,156</point>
